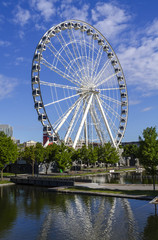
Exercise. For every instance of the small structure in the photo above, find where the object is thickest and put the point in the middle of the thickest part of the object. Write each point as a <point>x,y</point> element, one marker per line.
<point>155,200</point>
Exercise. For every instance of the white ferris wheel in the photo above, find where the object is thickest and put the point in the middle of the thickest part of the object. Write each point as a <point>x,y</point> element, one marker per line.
<point>78,86</point>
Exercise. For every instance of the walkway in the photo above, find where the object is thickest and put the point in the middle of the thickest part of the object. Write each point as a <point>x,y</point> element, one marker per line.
<point>117,186</point>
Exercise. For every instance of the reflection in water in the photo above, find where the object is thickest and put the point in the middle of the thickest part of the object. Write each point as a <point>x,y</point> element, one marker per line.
<point>151,229</point>
<point>34,213</point>
<point>122,178</point>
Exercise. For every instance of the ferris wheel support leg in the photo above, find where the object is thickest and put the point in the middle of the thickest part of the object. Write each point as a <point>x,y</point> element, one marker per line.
<point>72,121</point>
<point>66,116</point>
<point>95,125</point>
<point>85,126</point>
<point>105,121</point>
<point>82,121</point>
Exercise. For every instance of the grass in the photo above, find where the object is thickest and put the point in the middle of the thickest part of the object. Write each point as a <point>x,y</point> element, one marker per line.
<point>8,174</point>
<point>4,182</point>
<point>74,174</point>
<point>126,192</point>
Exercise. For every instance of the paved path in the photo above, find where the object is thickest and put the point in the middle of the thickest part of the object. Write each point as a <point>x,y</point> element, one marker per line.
<point>117,186</point>
<point>107,187</point>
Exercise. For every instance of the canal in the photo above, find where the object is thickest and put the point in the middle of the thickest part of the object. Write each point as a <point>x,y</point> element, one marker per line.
<point>35,214</point>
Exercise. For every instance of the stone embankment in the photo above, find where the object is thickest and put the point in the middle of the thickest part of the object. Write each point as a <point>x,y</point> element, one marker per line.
<point>42,181</point>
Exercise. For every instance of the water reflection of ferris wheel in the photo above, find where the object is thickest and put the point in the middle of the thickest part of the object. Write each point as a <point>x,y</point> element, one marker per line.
<point>78,86</point>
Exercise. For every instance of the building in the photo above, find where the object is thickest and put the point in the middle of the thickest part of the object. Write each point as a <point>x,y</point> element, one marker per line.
<point>131,143</point>
<point>8,130</point>
<point>29,143</point>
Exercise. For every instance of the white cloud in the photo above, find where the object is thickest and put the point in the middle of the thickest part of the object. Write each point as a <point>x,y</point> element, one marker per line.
<point>110,19</point>
<point>134,102</point>
<point>22,16</point>
<point>146,109</point>
<point>45,7</point>
<point>40,27</point>
<point>69,11</point>
<point>7,86</point>
<point>19,60</point>
<point>153,28</point>
<point>140,62</point>
<point>4,43</point>
<point>21,34</point>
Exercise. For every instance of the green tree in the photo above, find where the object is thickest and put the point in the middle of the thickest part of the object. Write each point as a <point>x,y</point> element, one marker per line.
<point>8,152</point>
<point>39,153</point>
<point>76,157</point>
<point>49,154</point>
<point>93,154</point>
<point>29,156</point>
<point>84,154</point>
<point>108,154</point>
<point>130,150</point>
<point>148,151</point>
<point>63,157</point>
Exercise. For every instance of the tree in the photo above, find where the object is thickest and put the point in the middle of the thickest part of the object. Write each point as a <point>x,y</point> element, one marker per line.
<point>93,154</point>
<point>84,154</point>
<point>148,151</point>
<point>49,154</point>
<point>130,150</point>
<point>108,154</point>
<point>8,152</point>
<point>29,156</point>
<point>63,157</point>
<point>39,153</point>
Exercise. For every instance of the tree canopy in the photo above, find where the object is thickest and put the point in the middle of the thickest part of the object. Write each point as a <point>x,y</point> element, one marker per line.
<point>8,152</point>
<point>148,151</point>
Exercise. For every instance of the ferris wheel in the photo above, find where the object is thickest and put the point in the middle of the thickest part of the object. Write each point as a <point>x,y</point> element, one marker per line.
<point>78,86</point>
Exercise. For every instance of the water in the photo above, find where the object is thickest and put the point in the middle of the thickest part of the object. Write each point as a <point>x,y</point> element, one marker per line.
<point>33,213</point>
<point>122,178</point>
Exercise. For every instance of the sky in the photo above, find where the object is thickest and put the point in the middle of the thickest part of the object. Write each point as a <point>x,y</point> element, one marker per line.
<point>131,27</point>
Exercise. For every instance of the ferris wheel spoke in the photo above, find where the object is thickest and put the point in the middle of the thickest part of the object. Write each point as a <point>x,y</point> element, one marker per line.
<point>111,99</point>
<point>85,50</point>
<point>76,52</point>
<point>83,120</point>
<point>72,58</point>
<point>58,56</point>
<point>84,61</point>
<point>105,120</point>
<point>59,85</point>
<point>102,71</point>
<point>92,60</point>
<point>106,79</point>
<point>66,49</point>
<point>111,122</point>
<point>108,89</point>
<point>110,109</point>
<point>97,61</point>
<point>58,71</point>
<point>97,64</point>
<point>60,100</point>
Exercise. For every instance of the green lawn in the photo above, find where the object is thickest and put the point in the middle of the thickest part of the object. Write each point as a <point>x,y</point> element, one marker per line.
<point>4,181</point>
<point>8,174</point>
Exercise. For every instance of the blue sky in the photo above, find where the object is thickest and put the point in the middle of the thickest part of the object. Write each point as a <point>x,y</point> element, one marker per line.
<point>131,27</point>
